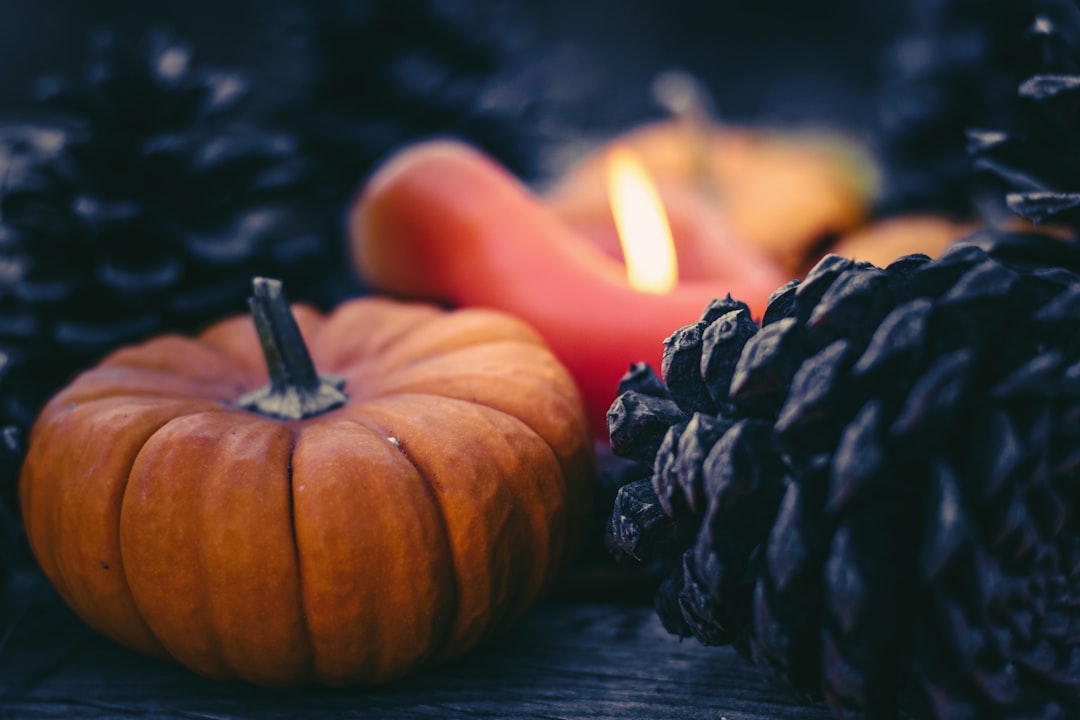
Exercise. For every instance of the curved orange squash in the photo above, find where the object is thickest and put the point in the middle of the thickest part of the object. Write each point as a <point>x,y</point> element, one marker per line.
<point>443,222</point>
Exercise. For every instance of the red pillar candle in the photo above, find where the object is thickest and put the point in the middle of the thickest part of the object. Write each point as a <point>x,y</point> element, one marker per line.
<point>440,221</point>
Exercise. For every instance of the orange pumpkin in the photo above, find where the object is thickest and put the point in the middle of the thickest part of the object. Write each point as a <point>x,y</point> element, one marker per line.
<point>353,538</point>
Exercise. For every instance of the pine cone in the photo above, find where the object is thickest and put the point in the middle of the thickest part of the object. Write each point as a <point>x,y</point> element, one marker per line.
<point>1036,154</point>
<point>363,78</point>
<point>956,67</point>
<point>143,204</point>
<point>870,494</point>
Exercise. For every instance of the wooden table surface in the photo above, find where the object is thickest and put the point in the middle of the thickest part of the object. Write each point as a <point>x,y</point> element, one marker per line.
<point>568,659</point>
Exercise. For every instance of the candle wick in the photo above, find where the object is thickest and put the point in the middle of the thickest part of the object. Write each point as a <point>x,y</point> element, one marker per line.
<point>689,102</point>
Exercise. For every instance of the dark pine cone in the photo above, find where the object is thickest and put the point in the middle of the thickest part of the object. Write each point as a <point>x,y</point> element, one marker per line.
<point>364,77</point>
<point>956,67</point>
<point>1037,154</point>
<point>142,204</point>
<point>871,493</point>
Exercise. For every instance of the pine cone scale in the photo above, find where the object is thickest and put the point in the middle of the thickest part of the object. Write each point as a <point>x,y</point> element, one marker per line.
<point>888,498</point>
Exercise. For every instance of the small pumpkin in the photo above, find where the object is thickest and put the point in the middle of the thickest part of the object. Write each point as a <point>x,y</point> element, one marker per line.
<point>330,530</point>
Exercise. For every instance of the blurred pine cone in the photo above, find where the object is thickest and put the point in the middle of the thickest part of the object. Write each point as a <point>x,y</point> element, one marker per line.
<point>956,67</point>
<point>1037,154</point>
<point>142,203</point>
<point>871,493</point>
<point>357,79</point>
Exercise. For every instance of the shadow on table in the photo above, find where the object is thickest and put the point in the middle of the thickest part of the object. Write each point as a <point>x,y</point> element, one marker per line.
<point>565,660</point>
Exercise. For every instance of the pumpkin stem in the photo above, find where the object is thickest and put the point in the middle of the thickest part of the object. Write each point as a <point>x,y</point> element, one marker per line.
<point>295,390</point>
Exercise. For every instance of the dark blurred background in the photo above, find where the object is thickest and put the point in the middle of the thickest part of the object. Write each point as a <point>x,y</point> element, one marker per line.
<point>584,66</point>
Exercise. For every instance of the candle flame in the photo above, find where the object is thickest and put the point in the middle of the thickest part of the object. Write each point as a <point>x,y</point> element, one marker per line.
<point>642,224</point>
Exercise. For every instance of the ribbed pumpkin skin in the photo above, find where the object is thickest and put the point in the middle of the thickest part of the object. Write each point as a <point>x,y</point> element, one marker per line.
<point>423,516</point>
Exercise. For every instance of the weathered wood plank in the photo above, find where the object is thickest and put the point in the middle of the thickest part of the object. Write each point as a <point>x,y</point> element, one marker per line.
<point>566,660</point>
